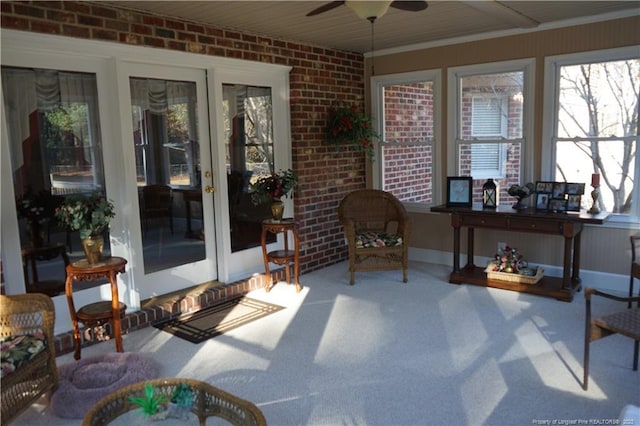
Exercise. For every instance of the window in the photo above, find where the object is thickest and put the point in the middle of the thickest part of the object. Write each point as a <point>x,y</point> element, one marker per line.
<point>490,111</point>
<point>406,115</point>
<point>593,99</point>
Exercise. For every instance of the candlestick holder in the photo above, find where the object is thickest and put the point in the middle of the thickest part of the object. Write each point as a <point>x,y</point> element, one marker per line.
<point>595,197</point>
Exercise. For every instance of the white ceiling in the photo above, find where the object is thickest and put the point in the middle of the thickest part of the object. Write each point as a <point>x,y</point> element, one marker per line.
<point>341,28</point>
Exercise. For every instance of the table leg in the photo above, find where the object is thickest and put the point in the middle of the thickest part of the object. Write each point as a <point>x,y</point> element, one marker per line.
<point>115,309</point>
<point>456,249</point>
<point>296,261</point>
<point>470,244</point>
<point>575,272</point>
<point>287,266</point>
<point>566,266</point>
<point>263,240</point>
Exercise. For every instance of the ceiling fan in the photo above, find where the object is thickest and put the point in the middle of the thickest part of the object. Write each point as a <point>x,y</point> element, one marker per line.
<point>371,10</point>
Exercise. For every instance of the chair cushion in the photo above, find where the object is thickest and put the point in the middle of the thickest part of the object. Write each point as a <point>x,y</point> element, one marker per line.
<point>18,350</point>
<point>377,239</point>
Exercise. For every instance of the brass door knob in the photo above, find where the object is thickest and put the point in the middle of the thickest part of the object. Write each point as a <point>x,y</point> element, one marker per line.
<point>209,189</point>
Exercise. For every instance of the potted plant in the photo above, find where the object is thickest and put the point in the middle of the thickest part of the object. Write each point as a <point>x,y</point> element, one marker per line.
<point>271,188</point>
<point>89,214</point>
<point>347,124</point>
<point>181,402</point>
<point>36,208</point>
<point>151,403</point>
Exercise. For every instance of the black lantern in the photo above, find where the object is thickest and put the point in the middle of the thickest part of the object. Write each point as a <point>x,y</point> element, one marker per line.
<point>489,195</point>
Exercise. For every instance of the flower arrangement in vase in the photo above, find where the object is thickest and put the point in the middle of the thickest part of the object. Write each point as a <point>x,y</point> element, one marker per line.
<point>348,125</point>
<point>90,214</point>
<point>271,188</point>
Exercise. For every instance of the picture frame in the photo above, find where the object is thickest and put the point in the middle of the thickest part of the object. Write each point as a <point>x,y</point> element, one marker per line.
<point>574,202</point>
<point>558,190</point>
<point>574,188</point>
<point>542,201</point>
<point>544,187</point>
<point>558,205</point>
<point>459,191</point>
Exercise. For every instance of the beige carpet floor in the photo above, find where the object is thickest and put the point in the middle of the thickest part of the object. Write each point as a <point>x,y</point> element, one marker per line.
<point>386,353</point>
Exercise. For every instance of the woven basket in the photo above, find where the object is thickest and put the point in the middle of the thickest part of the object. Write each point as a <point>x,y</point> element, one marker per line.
<point>514,278</point>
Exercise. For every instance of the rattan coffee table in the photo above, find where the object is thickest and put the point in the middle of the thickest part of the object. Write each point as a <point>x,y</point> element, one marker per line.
<point>209,401</point>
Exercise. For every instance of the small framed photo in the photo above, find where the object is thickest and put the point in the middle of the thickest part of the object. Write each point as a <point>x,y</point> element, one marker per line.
<point>459,190</point>
<point>544,187</point>
<point>573,202</point>
<point>558,189</point>
<point>574,188</point>
<point>542,201</point>
<point>558,205</point>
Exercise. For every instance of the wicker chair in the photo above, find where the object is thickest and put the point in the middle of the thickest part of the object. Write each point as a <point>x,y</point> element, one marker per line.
<point>625,322</point>
<point>377,228</point>
<point>30,314</point>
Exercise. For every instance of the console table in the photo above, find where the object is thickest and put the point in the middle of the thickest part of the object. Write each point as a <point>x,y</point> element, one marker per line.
<point>505,218</point>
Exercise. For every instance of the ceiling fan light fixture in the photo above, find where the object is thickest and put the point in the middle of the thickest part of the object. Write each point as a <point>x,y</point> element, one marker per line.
<point>368,9</point>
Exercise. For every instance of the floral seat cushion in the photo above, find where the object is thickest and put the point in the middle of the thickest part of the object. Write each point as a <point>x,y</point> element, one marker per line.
<point>377,239</point>
<point>18,350</point>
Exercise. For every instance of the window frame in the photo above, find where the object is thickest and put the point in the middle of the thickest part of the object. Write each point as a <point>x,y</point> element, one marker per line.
<point>552,65</point>
<point>454,76</point>
<point>378,83</point>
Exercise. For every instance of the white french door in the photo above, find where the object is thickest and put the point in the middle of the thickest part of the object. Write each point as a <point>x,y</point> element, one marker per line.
<point>167,151</point>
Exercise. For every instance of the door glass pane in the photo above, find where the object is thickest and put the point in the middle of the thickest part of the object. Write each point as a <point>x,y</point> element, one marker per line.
<point>248,123</point>
<point>166,144</point>
<point>56,151</point>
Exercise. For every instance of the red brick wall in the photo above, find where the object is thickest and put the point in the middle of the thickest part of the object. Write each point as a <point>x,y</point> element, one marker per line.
<point>318,78</point>
<point>408,114</point>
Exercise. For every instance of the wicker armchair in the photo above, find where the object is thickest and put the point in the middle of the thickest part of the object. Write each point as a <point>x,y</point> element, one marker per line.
<point>30,314</point>
<point>377,228</point>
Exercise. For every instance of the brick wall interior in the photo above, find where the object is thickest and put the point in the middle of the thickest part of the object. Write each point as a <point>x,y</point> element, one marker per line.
<point>319,78</point>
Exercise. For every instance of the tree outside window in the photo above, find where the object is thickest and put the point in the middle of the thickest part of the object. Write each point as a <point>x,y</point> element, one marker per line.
<point>597,129</point>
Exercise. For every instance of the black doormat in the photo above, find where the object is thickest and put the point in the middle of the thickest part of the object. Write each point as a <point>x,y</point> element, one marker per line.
<point>218,319</point>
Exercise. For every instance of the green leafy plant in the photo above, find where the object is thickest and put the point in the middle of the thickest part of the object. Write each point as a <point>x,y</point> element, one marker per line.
<point>183,396</point>
<point>150,402</point>
<point>273,186</point>
<point>347,124</point>
<point>89,214</point>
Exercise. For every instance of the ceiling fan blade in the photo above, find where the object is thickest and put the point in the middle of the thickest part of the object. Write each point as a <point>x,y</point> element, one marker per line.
<point>410,6</point>
<point>325,8</point>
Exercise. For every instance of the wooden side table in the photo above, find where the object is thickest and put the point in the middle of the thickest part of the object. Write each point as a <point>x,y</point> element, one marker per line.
<point>282,257</point>
<point>99,312</point>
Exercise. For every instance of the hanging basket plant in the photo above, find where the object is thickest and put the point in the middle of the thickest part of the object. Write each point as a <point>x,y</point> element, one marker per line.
<point>349,126</point>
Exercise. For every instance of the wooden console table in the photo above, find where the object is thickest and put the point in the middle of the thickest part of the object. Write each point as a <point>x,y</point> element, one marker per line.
<point>505,218</point>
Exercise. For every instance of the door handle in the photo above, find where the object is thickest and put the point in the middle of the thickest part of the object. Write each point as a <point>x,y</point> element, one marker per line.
<point>207,174</point>
<point>209,189</point>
